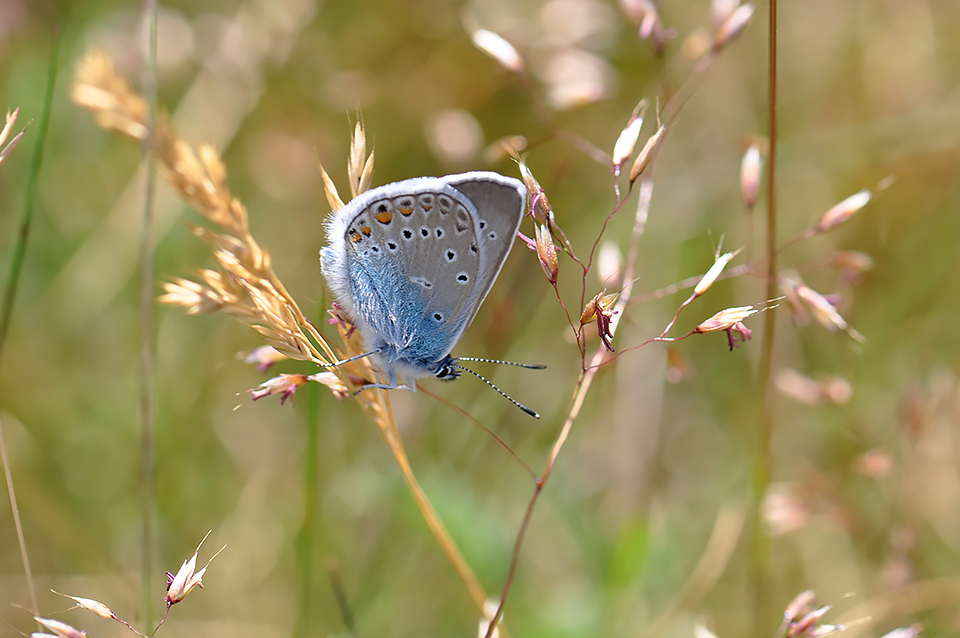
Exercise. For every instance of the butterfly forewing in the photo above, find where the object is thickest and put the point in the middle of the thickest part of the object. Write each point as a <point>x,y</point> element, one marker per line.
<point>412,261</point>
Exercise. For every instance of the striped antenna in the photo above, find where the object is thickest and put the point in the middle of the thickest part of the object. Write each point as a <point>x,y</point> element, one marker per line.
<point>490,383</point>
<point>529,366</point>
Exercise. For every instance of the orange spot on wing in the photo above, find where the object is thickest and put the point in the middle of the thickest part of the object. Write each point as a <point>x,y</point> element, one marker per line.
<point>355,236</point>
<point>365,230</point>
<point>407,211</point>
<point>384,217</point>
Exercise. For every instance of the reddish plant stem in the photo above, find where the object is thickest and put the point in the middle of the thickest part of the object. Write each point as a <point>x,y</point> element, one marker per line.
<point>579,396</point>
<point>759,563</point>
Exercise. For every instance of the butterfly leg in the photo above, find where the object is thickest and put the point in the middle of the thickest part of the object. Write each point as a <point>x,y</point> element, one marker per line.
<point>380,386</point>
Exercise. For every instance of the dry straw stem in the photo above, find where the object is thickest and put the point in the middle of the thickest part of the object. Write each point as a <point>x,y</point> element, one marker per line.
<point>245,285</point>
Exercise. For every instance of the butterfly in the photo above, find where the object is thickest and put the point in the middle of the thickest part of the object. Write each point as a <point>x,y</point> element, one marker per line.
<point>411,262</point>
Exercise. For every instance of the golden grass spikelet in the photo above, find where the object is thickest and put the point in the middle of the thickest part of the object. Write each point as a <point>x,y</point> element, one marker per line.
<point>115,105</point>
<point>191,296</point>
<point>330,190</point>
<point>247,287</point>
<point>359,166</point>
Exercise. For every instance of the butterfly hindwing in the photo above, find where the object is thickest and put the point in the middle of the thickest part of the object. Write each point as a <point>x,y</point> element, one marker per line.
<point>411,257</point>
<point>500,203</point>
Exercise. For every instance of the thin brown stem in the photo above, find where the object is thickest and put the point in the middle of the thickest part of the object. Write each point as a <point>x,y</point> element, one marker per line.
<point>24,557</point>
<point>579,396</point>
<point>543,114</point>
<point>486,430</point>
<point>391,436</point>
<point>147,277</point>
<point>762,454</point>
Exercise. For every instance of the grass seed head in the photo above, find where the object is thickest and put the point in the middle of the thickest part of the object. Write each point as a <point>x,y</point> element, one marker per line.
<point>263,358</point>
<point>191,296</point>
<point>547,253</point>
<point>733,26</point>
<point>623,148</point>
<point>905,632</point>
<point>60,629</point>
<point>646,154</point>
<point>284,385</point>
<point>842,211</point>
<point>91,605</point>
<point>185,580</point>
<point>721,10</point>
<point>711,275</point>
<point>536,197</point>
<point>801,605</point>
<point>726,319</point>
<point>115,105</point>
<point>852,265</point>
<point>751,168</point>
<point>11,120</point>
<point>499,49</point>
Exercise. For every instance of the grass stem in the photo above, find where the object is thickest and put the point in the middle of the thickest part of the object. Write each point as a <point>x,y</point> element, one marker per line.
<point>148,460</point>
<point>762,464</point>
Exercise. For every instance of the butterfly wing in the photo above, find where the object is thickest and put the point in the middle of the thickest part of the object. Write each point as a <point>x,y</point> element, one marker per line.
<point>500,204</point>
<point>412,261</point>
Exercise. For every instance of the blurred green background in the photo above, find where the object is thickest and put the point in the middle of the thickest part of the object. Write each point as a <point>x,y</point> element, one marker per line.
<point>866,494</point>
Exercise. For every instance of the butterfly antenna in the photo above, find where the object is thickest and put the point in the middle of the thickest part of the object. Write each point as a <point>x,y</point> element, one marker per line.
<point>502,393</point>
<point>529,366</point>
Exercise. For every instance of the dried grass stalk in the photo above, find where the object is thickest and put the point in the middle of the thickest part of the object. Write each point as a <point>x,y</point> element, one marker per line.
<point>244,284</point>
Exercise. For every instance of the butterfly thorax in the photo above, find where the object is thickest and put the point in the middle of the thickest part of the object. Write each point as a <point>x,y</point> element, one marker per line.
<point>401,362</point>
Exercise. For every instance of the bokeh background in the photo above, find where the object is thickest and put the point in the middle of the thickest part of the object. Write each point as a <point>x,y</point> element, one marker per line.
<point>865,505</point>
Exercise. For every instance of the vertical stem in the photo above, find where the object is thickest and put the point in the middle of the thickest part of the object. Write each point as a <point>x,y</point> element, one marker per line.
<point>8,474</point>
<point>26,218</point>
<point>148,460</point>
<point>762,456</point>
<point>305,537</point>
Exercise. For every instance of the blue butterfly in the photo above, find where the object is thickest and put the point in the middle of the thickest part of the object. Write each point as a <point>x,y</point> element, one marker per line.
<point>412,261</point>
